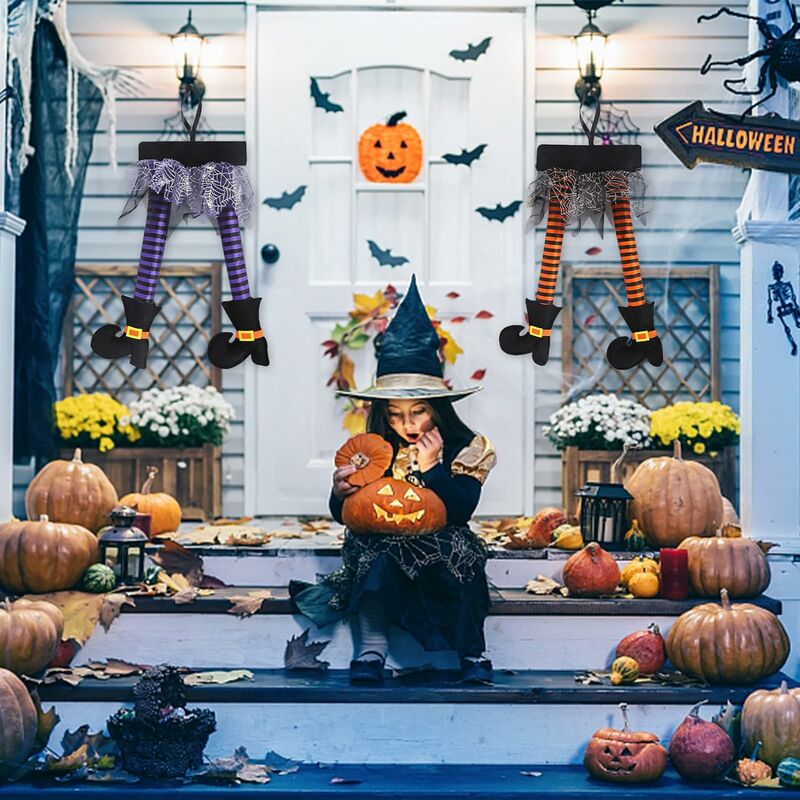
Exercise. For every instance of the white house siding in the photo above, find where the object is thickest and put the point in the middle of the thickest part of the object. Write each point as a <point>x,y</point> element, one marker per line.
<point>652,69</point>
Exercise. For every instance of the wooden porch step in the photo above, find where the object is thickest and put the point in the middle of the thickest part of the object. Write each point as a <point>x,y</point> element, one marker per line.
<point>401,782</point>
<point>419,719</point>
<point>523,632</point>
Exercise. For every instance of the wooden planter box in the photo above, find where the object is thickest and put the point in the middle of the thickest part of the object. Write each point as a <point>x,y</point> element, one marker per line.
<point>579,466</point>
<point>192,475</point>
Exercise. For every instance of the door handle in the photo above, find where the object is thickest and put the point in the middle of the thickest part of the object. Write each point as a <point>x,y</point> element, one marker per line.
<point>270,253</point>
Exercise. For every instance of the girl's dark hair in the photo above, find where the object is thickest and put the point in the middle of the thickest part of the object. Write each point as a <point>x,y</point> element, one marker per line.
<point>455,433</point>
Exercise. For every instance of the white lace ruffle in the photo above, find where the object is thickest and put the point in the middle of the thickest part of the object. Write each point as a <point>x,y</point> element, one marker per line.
<point>585,195</point>
<point>193,191</point>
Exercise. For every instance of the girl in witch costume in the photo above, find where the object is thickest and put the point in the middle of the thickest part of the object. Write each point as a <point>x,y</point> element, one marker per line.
<point>182,179</point>
<point>432,585</point>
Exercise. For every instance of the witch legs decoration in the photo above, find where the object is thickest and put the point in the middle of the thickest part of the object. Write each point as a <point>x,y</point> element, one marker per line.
<point>184,179</point>
<point>578,181</point>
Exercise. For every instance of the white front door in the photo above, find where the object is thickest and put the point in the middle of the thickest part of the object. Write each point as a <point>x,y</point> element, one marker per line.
<point>373,64</point>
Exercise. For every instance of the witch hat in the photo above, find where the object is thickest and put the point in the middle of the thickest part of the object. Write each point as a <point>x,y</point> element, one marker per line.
<point>409,366</point>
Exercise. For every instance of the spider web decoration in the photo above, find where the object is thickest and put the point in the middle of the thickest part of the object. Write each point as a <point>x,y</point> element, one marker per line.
<point>614,126</point>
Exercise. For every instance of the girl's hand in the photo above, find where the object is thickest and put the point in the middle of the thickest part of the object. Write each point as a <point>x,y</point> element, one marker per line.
<point>429,449</point>
<point>341,486</point>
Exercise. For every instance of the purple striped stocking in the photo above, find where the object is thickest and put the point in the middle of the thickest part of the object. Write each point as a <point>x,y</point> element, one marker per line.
<point>155,237</point>
<point>234,254</point>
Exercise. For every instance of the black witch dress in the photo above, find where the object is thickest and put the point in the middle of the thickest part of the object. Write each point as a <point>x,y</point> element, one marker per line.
<point>434,585</point>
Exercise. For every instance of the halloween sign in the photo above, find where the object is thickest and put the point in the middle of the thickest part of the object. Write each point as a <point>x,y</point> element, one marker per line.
<point>697,134</point>
<point>321,99</point>
<point>472,52</point>
<point>391,152</point>
<point>287,200</point>
<point>465,157</point>
<point>385,257</point>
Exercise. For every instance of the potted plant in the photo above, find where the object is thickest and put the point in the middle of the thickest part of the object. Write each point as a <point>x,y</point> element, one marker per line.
<point>592,432</point>
<point>179,430</point>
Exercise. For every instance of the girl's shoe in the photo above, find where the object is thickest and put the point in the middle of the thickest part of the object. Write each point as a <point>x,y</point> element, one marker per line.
<point>367,670</point>
<point>476,670</point>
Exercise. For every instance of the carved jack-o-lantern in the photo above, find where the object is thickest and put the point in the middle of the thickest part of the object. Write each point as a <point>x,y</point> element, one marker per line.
<point>625,756</point>
<point>394,506</point>
<point>390,153</point>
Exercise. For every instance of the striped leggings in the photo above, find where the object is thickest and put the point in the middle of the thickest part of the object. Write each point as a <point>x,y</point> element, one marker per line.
<point>155,238</point>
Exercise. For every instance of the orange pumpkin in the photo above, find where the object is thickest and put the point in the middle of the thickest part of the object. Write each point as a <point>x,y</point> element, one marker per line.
<point>673,499</point>
<point>30,631</point>
<point>390,153</point>
<point>391,506</point>
<point>73,492</point>
<point>164,510</point>
<point>625,756</point>
<point>591,572</point>
<point>369,453</point>
<point>44,556</point>
<point>20,723</point>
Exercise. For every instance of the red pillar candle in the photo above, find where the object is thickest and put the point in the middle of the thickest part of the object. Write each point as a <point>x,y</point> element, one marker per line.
<point>674,573</point>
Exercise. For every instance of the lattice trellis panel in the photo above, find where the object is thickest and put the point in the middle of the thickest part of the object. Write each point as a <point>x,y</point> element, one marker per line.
<point>687,319</point>
<point>190,315</point>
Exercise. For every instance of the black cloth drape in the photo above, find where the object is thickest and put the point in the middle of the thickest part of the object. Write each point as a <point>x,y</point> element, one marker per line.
<point>45,268</point>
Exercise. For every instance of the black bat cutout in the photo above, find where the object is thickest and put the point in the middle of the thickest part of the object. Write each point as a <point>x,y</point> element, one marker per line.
<point>499,212</point>
<point>321,98</point>
<point>385,257</point>
<point>473,51</point>
<point>287,200</point>
<point>466,157</point>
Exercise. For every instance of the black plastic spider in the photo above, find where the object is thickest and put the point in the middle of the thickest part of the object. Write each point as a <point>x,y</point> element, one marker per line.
<point>781,53</point>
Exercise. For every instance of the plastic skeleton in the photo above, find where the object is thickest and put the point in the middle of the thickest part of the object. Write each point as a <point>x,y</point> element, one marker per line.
<point>781,293</point>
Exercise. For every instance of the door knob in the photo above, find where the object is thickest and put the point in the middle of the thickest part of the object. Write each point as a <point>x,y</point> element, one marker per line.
<point>270,253</point>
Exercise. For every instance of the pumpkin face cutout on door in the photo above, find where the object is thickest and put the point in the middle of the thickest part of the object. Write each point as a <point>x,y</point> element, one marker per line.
<point>392,506</point>
<point>390,153</point>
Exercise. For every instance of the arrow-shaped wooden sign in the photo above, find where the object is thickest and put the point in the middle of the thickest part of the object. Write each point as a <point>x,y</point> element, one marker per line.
<point>697,134</point>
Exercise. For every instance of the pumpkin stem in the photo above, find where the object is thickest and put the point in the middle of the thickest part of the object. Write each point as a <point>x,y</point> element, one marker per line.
<point>44,518</point>
<point>615,467</point>
<point>726,529</point>
<point>653,628</point>
<point>725,599</point>
<point>623,707</point>
<point>695,708</point>
<point>784,689</point>
<point>151,476</point>
<point>395,118</point>
<point>77,456</point>
<point>754,757</point>
<point>677,452</point>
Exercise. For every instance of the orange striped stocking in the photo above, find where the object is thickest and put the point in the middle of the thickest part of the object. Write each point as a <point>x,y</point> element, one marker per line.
<point>551,255</point>
<point>629,256</point>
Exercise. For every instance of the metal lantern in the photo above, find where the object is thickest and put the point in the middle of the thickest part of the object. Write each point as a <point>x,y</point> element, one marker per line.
<point>590,47</point>
<point>187,53</point>
<point>604,513</point>
<point>122,546</point>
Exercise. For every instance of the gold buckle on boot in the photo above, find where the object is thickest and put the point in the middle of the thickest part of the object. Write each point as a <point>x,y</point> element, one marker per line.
<point>539,333</point>
<point>644,336</point>
<point>249,336</point>
<point>136,333</point>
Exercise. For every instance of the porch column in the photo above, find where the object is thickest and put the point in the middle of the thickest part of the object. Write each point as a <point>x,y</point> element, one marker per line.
<point>770,375</point>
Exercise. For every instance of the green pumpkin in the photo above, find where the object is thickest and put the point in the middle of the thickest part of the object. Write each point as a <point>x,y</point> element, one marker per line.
<point>788,772</point>
<point>99,578</point>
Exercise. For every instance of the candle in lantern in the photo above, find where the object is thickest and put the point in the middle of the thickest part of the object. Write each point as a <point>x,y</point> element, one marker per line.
<point>674,573</point>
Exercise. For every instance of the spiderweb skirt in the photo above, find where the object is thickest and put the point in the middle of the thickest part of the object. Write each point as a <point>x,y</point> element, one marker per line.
<point>433,586</point>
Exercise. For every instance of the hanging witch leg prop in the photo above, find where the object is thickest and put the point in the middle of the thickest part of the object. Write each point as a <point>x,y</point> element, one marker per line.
<point>183,179</point>
<point>577,182</point>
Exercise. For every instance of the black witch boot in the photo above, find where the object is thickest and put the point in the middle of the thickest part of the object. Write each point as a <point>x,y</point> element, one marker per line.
<point>134,339</point>
<point>536,340</point>
<point>224,352</point>
<point>624,352</point>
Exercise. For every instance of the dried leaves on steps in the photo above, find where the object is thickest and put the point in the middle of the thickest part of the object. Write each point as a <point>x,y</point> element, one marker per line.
<point>218,677</point>
<point>248,604</point>
<point>234,769</point>
<point>544,585</point>
<point>46,721</point>
<point>174,557</point>
<point>302,654</point>
<point>100,670</point>
<point>674,678</point>
<point>83,610</point>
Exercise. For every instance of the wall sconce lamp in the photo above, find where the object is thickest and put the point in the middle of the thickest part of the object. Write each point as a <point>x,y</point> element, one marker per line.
<point>187,52</point>
<point>590,48</point>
